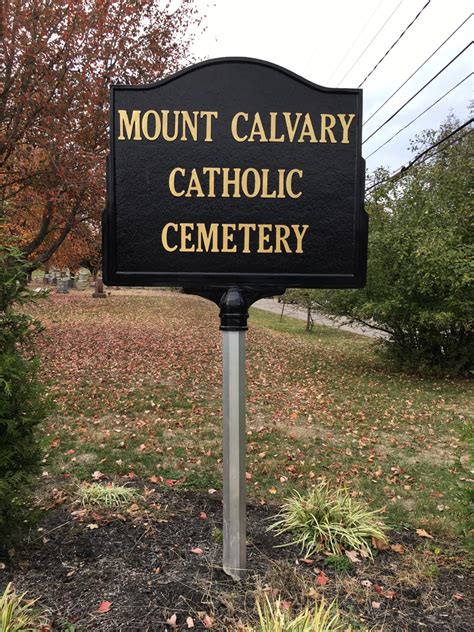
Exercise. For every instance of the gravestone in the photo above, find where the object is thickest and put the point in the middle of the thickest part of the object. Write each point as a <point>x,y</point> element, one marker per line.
<point>99,289</point>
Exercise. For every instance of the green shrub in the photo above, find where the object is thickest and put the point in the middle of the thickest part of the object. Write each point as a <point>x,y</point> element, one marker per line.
<point>273,618</point>
<point>18,614</point>
<point>22,402</point>
<point>329,520</point>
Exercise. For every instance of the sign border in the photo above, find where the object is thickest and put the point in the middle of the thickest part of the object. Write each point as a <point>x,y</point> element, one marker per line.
<point>224,279</point>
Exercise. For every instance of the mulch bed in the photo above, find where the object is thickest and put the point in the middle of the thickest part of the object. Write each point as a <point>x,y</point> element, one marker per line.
<point>141,562</point>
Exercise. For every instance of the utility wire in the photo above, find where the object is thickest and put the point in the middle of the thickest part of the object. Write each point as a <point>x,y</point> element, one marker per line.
<point>361,32</point>
<point>403,169</point>
<point>371,41</point>
<point>418,92</point>
<point>419,68</point>
<point>394,43</point>
<point>421,114</point>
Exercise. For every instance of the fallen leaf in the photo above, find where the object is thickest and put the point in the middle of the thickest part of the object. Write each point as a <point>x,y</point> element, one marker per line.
<point>203,515</point>
<point>190,622</point>
<point>322,579</point>
<point>197,550</point>
<point>366,582</point>
<point>212,491</point>
<point>378,589</point>
<point>353,556</point>
<point>398,548</point>
<point>285,604</point>
<point>379,544</point>
<point>423,534</point>
<point>104,606</point>
<point>97,475</point>
<point>272,490</point>
<point>390,594</point>
<point>248,476</point>
<point>376,604</point>
<point>312,592</point>
<point>172,621</point>
<point>307,561</point>
<point>154,479</point>
<point>458,596</point>
<point>206,620</point>
<point>92,525</point>
<point>2,566</point>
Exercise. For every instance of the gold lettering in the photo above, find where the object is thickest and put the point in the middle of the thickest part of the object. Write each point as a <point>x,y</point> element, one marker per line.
<point>289,184</point>
<point>257,129</point>
<point>194,185</point>
<point>264,238</point>
<point>204,238</point>
<point>164,236</point>
<point>265,193</point>
<point>226,181</point>
<point>212,171</point>
<point>281,183</point>
<point>171,184</point>
<point>307,130</point>
<point>257,181</point>
<point>129,126</point>
<point>327,127</point>
<point>145,131</point>
<point>299,234</point>
<point>273,138</point>
<point>233,127</point>
<point>166,135</point>
<point>209,116</point>
<point>191,125</point>
<point>291,129</point>
<point>282,238</point>
<point>345,126</point>
<point>185,237</point>
<point>247,228</point>
<point>228,238</point>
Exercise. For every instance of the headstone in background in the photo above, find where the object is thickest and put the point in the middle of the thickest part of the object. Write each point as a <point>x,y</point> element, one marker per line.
<point>82,280</point>
<point>99,289</point>
<point>62,284</point>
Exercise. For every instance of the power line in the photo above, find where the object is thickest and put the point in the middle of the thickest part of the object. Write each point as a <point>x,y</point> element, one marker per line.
<point>403,169</point>
<point>371,41</point>
<point>361,32</point>
<point>421,114</point>
<point>419,68</point>
<point>418,92</point>
<point>395,43</point>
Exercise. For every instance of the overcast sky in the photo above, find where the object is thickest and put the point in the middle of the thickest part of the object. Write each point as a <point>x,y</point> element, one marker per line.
<point>324,41</point>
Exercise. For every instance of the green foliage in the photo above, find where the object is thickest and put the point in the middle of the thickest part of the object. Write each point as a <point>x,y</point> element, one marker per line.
<point>22,403</point>
<point>18,614</point>
<point>327,519</point>
<point>421,267</point>
<point>274,618</point>
<point>109,496</point>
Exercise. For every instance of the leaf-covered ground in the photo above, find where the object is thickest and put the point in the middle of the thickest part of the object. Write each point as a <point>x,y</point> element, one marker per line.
<point>136,379</point>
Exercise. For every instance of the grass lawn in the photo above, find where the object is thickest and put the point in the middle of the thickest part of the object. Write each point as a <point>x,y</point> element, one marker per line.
<point>137,378</point>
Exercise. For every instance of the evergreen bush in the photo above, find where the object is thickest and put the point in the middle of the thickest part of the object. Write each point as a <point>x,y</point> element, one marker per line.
<point>22,400</point>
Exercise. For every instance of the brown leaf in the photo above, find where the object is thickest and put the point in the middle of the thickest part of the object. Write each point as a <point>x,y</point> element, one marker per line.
<point>398,548</point>
<point>104,606</point>
<point>203,515</point>
<point>206,620</point>
<point>322,579</point>
<point>190,622</point>
<point>423,534</point>
<point>380,545</point>
<point>390,594</point>
<point>172,621</point>
<point>376,604</point>
<point>353,556</point>
<point>197,550</point>
<point>457,596</point>
<point>307,561</point>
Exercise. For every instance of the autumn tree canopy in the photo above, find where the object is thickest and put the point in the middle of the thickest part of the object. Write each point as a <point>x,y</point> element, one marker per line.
<point>59,59</point>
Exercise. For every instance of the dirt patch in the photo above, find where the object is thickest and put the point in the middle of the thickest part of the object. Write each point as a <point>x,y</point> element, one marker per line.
<point>142,562</point>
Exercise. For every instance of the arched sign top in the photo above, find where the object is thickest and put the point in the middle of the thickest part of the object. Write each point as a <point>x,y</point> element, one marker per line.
<point>235,60</point>
<point>235,171</point>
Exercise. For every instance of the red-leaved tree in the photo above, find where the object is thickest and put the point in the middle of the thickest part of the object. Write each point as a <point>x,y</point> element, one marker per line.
<point>60,56</point>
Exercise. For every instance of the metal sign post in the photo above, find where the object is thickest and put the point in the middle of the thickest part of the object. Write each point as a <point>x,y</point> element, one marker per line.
<point>233,326</point>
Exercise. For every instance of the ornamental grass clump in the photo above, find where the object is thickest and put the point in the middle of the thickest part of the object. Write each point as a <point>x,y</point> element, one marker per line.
<point>18,614</point>
<point>273,618</point>
<point>329,520</point>
<point>110,496</point>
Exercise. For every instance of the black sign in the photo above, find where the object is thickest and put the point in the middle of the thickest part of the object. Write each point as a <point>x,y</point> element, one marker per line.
<point>235,172</point>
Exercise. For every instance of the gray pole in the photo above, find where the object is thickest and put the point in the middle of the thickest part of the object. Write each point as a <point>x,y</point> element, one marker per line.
<point>234,316</point>
<point>233,394</point>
